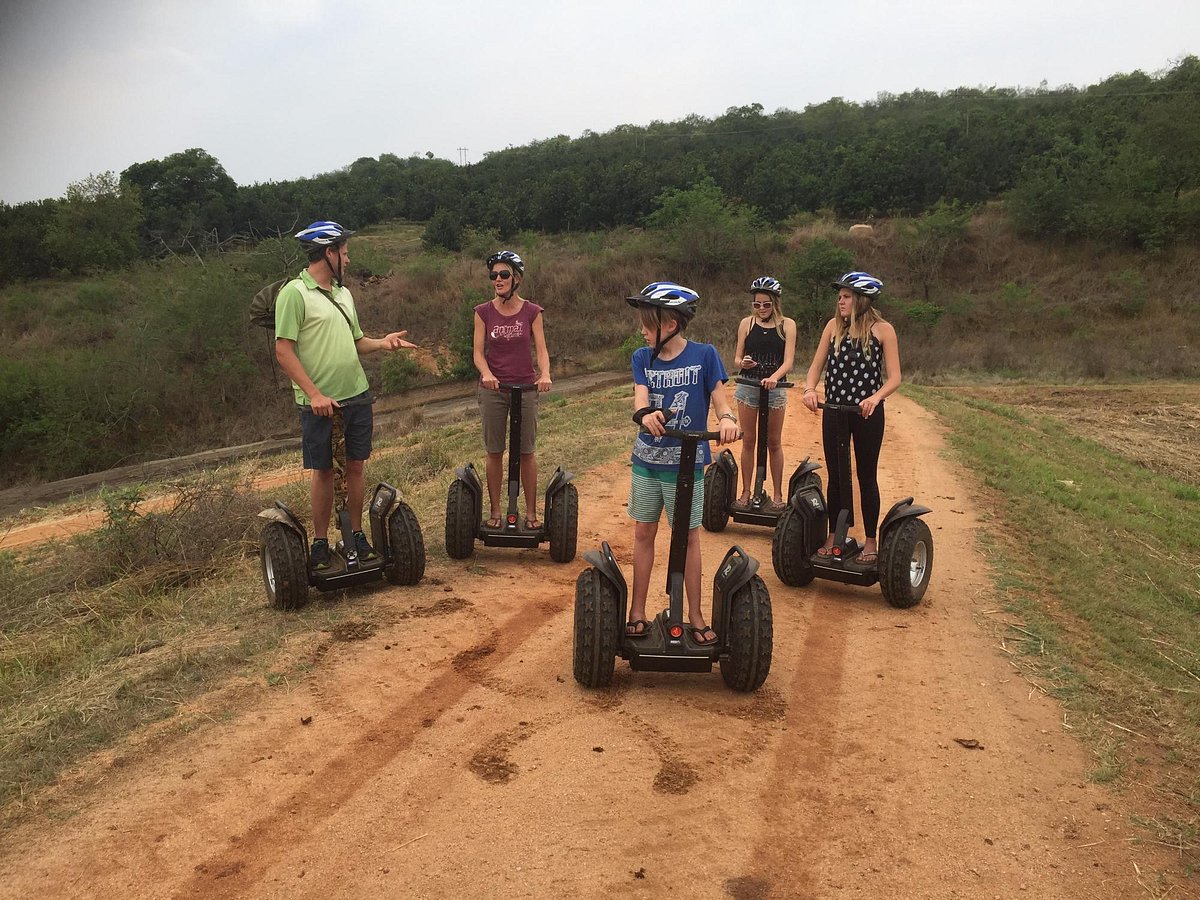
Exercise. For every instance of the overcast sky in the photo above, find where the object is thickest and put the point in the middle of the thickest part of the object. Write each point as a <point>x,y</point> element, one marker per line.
<point>280,90</point>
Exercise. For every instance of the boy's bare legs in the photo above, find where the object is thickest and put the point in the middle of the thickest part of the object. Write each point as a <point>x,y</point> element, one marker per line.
<point>643,566</point>
<point>321,494</point>
<point>644,534</point>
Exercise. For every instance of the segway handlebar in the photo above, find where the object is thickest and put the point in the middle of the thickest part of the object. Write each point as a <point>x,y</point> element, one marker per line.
<point>681,435</point>
<point>756,382</point>
<point>516,387</point>
<point>841,407</point>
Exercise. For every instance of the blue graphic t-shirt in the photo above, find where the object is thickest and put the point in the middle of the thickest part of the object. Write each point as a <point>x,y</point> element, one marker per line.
<point>682,387</point>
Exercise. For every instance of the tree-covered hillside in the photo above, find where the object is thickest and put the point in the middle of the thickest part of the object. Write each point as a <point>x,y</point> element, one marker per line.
<point>1117,162</point>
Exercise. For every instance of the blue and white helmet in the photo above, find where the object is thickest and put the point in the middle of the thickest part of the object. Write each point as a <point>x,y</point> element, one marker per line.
<point>506,256</point>
<point>323,234</point>
<point>667,295</point>
<point>766,285</point>
<point>861,283</point>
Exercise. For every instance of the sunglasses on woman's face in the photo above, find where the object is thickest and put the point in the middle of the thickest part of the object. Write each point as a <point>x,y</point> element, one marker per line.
<point>761,304</point>
<point>492,276</point>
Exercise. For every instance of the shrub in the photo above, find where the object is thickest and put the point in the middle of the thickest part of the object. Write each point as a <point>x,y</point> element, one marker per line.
<point>443,231</point>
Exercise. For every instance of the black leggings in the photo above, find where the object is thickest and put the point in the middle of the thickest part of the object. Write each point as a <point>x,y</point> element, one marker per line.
<point>867,437</point>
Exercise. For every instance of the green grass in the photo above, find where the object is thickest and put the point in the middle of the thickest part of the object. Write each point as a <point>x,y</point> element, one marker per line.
<point>113,631</point>
<point>1099,558</point>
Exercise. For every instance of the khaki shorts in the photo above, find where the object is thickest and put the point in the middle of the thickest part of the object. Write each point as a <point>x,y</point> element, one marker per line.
<point>493,406</point>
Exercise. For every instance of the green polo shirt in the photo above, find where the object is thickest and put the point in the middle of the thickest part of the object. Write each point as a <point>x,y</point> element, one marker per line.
<point>324,343</point>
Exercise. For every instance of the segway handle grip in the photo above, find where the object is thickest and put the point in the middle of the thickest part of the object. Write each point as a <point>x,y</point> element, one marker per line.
<point>840,407</point>
<point>754,382</point>
<point>517,387</point>
<point>681,435</point>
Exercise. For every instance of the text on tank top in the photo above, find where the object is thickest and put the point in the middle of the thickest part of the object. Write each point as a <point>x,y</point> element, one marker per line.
<point>851,375</point>
<point>765,346</point>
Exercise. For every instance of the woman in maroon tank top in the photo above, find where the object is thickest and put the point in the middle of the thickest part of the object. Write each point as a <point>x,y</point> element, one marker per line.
<point>508,329</point>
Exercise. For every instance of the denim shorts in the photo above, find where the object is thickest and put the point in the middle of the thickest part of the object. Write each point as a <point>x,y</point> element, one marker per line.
<point>747,395</point>
<point>316,432</point>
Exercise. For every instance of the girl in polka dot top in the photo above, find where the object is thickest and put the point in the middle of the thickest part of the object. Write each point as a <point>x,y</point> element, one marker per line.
<point>860,357</point>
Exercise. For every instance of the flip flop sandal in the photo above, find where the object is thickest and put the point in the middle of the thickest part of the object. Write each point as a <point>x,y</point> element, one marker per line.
<point>868,559</point>
<point>825,552</point>
<point>492,523</point>
<point>532,526</point>
<point>698,636</point>
<point>632,626</point>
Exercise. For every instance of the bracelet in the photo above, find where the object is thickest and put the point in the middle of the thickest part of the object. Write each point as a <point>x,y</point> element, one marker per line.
<point>810,390</point>
<point>730,416</point>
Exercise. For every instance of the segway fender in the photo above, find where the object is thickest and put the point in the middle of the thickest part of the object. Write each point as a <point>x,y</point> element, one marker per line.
<point>797,479</point>
<point>382,502</point>
<point>902,509</point>
<point>606,564</point>
<point>726,461</point>
<point>558,481</point>
<point>283,515</point>
<point>736,569</point>
<point>468,476</point>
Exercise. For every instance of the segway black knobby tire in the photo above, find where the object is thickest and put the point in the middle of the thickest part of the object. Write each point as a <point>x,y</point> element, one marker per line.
<point>563,524</point>
<point>597,628</point>
<point>789,554</point>
<point>407,546</point>
<point>460,521</point>
<point>715,515</point>
<point>284,563</point>
<point>751,632</point>
<point>906,544</point>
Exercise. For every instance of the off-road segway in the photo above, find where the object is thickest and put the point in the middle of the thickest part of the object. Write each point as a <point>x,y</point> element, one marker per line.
<point>464,503</point>
<point>741,607</point>
<point>395,535</point>
<point>721,478</point>
<point>904,563</point>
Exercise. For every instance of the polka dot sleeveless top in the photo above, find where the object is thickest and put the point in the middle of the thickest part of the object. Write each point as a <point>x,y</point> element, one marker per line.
<point>850,375</point>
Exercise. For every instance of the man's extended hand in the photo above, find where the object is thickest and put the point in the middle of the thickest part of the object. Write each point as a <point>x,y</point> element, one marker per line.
<point>395,341</point>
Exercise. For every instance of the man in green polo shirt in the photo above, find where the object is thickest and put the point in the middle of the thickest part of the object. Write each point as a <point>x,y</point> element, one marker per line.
<point>318,342</point>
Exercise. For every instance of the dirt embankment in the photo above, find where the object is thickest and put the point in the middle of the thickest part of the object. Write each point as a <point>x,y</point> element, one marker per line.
<point>451,754</point>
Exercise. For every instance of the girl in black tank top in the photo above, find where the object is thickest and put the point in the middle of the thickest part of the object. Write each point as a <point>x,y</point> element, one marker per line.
<point>766,345</point>
<point>860,358</point>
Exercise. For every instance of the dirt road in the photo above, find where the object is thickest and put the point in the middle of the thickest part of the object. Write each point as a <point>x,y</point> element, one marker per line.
<point>451,754</point>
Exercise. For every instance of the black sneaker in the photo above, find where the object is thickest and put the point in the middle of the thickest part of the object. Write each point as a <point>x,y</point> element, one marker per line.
<point>319,556</point>
<point>365,550</point>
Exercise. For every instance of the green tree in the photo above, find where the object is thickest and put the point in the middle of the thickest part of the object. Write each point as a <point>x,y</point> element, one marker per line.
<point>706,230</point>
<point>810,274</point>
<point>95,226</point>
<point>189,199</point>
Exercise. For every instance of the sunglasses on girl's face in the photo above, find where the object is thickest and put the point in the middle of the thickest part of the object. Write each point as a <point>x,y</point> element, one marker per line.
<point>763,304</point>
<point>492,276</point>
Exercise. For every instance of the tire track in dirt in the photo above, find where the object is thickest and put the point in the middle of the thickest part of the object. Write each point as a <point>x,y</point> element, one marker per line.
<point>234,872</point>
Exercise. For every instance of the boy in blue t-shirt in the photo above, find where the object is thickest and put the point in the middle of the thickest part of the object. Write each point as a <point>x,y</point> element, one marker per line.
<point>674,381</point>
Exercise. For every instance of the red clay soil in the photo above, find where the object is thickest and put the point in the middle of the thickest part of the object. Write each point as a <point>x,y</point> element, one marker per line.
<point>450,753</point>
